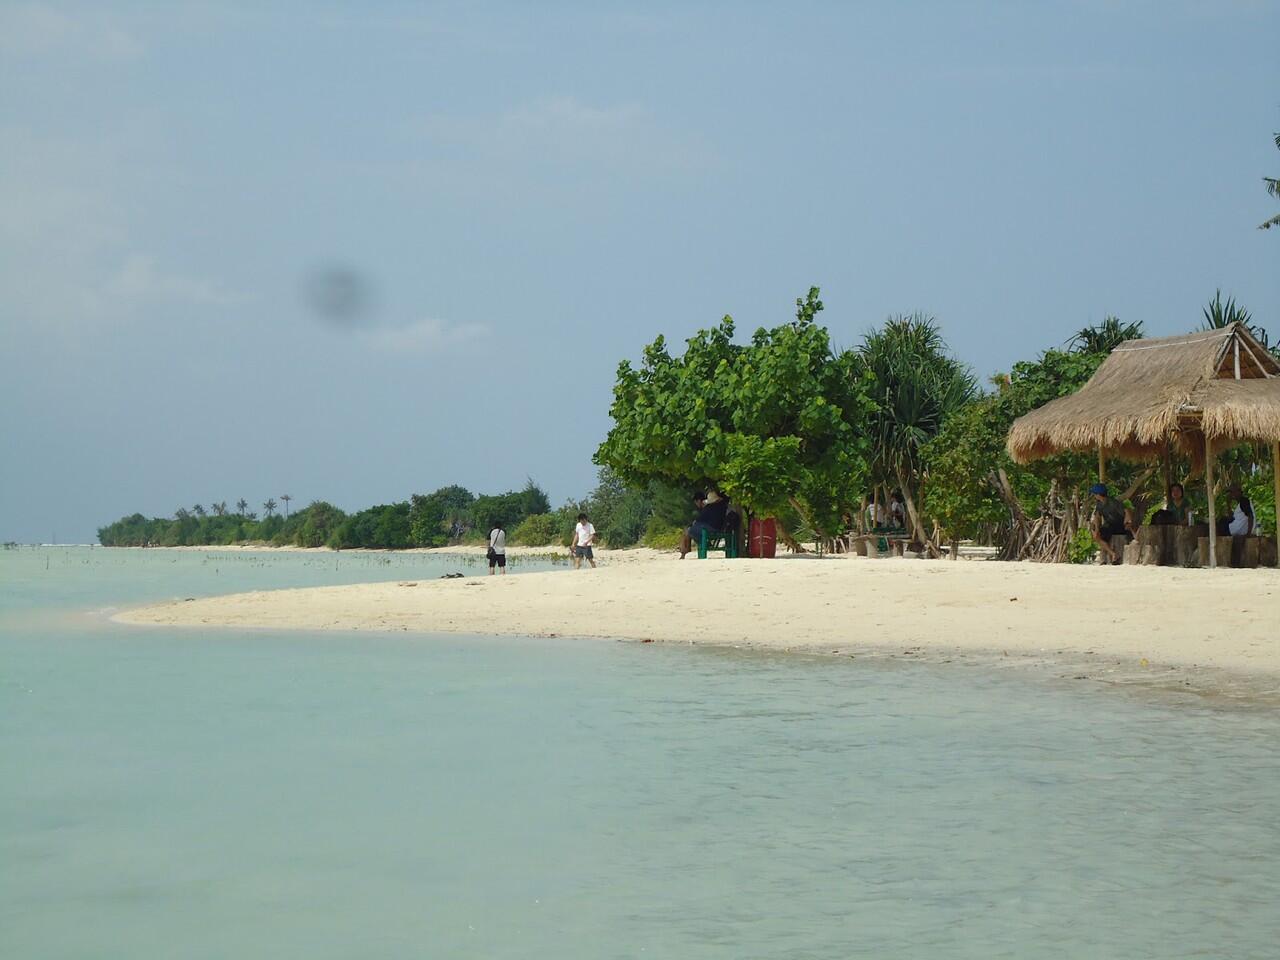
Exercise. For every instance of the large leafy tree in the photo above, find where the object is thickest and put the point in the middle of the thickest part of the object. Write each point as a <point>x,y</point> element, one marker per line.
<point>776,422</point>
<point>916,385</point>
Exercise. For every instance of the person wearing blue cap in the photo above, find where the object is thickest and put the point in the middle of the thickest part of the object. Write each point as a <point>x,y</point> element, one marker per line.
<point>1110,519</point>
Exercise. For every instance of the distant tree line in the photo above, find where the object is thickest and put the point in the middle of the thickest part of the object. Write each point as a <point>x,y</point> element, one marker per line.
<point>451,515</point>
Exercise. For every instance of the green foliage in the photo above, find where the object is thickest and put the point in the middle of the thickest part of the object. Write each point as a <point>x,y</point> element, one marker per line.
<point>1219,314</point>
<point>384,527</point>
<point>1104,337</point>
<point>962,489</point>
<point>319,520</point>
<point>1083,549</point>
<point>437,518</point>
<point>661,535</point>
<point>767,421</point>
<point>538,530</point>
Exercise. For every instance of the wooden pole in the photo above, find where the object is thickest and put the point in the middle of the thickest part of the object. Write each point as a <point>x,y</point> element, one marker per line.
<point>1275,470</point>
<point>1213,511</point>
<point>1102,465</point>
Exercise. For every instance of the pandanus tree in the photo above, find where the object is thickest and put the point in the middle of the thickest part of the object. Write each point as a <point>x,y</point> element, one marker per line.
<point>1105,336</point>
<point>917,385</point>
<point>1273,188</point>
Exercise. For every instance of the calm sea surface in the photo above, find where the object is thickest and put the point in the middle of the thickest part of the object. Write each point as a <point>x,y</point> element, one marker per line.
<point>214,794</point>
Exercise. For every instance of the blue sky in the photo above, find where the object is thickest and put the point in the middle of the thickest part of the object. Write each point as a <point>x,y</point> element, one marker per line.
<point>501,201</point>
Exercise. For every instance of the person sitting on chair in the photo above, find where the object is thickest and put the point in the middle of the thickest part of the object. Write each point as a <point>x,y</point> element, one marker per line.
<point>1242,521</point>
<point>710,517</point>
<point>1110,519</point>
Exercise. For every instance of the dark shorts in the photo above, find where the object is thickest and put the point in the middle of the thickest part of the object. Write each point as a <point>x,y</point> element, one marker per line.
<point>583,553</point>
<point>497,560</point>
<point>1108,532</point>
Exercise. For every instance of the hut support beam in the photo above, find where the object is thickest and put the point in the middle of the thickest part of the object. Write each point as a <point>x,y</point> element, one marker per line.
<point>1102,465</point>
<point>1213,511</point>
<point>1275,470</point>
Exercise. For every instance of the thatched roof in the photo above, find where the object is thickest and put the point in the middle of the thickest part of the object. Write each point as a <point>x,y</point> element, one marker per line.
<point>1152,392</point>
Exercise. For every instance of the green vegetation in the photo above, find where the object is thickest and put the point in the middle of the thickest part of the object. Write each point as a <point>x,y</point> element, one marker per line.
<point>791,427</point>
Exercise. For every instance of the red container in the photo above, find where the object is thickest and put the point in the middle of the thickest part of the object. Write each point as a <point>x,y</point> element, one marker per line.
<point>762,538</point>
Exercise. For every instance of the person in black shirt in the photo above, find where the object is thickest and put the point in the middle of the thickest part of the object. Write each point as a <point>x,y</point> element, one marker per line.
<point>710,517</point>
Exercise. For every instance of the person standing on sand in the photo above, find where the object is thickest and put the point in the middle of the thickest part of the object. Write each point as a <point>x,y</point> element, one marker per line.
<point>497,549</point>
<point>584,535</point>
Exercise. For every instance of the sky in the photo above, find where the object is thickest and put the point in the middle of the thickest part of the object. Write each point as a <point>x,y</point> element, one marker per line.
<point>357,251</point>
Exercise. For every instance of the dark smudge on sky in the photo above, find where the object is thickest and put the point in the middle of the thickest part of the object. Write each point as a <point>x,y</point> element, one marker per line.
<point>339,295</point>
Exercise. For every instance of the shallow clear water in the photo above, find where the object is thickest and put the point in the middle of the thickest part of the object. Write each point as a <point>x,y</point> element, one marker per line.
<point>213,793</point>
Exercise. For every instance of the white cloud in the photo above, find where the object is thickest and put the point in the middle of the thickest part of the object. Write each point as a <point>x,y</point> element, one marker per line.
<point>31,30</point>
<point>139,281</point>
<point>424,336</point>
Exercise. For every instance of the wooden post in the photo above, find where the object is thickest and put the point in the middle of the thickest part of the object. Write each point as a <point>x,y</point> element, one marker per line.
<point>1102,465</point>
<point>1213,510</point>
<point>1275,470</point>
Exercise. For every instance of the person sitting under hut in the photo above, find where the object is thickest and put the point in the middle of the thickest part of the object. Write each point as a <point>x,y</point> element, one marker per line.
<point>1110,519</point>
<point>1242,521</point>
<point>710,517</point>
<point>1176,511</point>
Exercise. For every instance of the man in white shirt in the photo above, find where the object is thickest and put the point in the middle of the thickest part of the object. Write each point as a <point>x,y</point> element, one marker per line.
<point>584,535</point>
<point>1242,518</point>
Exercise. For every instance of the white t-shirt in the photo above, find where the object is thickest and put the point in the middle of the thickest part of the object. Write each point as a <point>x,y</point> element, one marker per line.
<point>583,533</point>
<point>1239,525</point>
<point>498,540</point>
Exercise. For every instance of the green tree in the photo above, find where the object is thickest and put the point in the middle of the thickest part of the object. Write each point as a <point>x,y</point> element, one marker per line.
<point>1105,336</point>
<point>439,518</point>
<point>916,385</point>
<point>269,507</point>
<point>1219,314</point>
<point>775,422</point>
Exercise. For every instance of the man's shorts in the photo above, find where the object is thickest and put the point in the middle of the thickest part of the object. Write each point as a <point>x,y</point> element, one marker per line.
<point>1108,532</point>
<point>583,553</point>
<point>497,560</point>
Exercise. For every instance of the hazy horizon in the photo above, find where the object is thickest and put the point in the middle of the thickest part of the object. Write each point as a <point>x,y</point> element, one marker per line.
<point>356,253</point>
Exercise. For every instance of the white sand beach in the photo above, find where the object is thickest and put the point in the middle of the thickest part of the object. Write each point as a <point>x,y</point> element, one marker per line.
<point>1191,628</point>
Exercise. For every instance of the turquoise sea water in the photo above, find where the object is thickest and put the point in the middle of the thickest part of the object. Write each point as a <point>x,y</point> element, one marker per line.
<point>193,793</point>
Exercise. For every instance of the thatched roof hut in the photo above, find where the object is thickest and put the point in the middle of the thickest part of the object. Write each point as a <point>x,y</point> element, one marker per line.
<point>1203,392</point>
<point>1220,385</point>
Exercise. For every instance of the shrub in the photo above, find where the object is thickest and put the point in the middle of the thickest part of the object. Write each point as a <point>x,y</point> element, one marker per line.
<point>1082,548</point>
<point>537,530</point>
<point>661,535</point>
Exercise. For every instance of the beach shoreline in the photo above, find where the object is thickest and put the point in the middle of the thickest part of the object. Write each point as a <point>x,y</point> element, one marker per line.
<point>1213,632</point>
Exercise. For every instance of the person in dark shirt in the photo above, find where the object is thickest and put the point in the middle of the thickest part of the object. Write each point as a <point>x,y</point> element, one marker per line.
<point>1110,519</point>
<point>710,517</point>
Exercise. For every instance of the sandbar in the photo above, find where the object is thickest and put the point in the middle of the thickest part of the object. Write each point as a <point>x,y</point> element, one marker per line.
<point>1197,630</point>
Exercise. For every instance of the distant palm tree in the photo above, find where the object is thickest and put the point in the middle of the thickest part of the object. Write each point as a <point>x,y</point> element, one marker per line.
<point>1105,336</point>
<point>1273,188</point>
<point>242,505</point>
<point>286,498</point>
<point>220,508</point>
<point>182,513</point>
<point>269,507</point>
<point>198,510</point>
